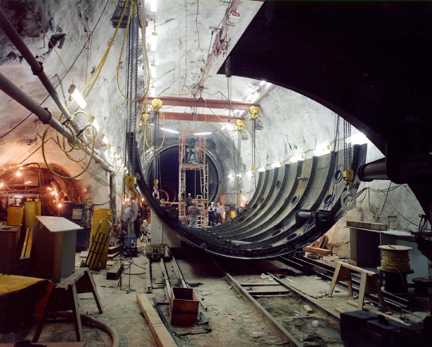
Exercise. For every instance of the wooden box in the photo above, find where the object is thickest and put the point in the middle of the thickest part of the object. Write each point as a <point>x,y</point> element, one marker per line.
<point>9,248</point>
<point>53,250</point>
<point>184,307</point>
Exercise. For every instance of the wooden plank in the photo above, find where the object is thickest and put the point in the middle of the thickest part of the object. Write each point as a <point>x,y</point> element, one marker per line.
<point>356,268</point>
<point>366,225</point>
<point>160,333</point>
<point>58,224</point>
<point>317,250</point>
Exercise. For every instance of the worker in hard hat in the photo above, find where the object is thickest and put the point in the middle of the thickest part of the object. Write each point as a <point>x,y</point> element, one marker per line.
<point>191,156</point>
<point>193,214</point>
<point>212,214</point>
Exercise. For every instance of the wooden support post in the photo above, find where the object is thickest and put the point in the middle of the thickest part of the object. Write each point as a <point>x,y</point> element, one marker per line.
<point>76,312</point>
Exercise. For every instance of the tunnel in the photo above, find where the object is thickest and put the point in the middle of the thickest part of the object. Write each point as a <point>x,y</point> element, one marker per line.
<point>235,172</point>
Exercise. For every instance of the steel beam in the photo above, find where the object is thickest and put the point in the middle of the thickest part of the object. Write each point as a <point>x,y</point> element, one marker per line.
<point>205,103</point>
<point>198,117</point>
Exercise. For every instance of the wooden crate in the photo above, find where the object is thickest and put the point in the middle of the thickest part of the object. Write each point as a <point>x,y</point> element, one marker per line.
<point>9,248</point>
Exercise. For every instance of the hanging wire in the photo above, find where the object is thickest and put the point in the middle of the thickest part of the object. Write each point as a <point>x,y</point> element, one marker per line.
<point>19,123</point>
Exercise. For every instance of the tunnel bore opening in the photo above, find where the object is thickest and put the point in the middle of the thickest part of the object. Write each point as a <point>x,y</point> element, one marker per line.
<point>169,176</point>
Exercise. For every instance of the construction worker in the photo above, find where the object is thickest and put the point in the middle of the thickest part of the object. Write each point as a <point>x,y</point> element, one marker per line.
<point>212,214</point>
<point>188,201</point>
<point>220,211</point>
<point>191,156</point>
<point>193,214</point>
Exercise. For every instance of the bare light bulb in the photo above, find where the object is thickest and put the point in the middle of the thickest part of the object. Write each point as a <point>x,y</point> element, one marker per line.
<point>77,96</point>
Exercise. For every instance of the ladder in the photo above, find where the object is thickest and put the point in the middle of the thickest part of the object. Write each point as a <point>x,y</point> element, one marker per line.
<point>202,167</point>
<point>203,171</point>
<point>182,181</point>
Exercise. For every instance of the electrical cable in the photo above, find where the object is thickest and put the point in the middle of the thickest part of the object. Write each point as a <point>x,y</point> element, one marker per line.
<point>125,38</point>
<point>385,200</point>
<point>92,322</point>
<point>19,123</point>
<point>99,66</point>
<point>81,172</point>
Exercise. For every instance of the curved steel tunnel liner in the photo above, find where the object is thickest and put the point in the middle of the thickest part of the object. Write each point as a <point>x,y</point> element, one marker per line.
<point>274,226</point>
<point>263,180</point>
<point>261,205</point>
<point>296,195</point>
<point>317,188</point>
<point>292,172</point>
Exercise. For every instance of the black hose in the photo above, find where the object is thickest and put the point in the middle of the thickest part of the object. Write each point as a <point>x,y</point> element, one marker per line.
<point>94,323</point>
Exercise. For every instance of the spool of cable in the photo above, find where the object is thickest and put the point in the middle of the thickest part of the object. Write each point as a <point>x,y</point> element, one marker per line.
<point>395,258</point>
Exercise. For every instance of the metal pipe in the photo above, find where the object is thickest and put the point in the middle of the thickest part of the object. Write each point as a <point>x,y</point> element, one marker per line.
<point>36,66</point>
<point>44,115</point>
<point>376,170</point>
<point>204,103</point>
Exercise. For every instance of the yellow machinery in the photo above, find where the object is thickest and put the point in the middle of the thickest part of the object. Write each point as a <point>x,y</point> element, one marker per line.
<point>15,215</point>
<point>30,213</point>
<point>99,214</point>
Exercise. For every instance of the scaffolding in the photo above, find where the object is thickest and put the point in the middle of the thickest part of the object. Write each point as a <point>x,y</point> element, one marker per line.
<point>200,165</point>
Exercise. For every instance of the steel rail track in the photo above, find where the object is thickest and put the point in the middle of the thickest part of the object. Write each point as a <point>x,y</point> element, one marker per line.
<point>310,266</point>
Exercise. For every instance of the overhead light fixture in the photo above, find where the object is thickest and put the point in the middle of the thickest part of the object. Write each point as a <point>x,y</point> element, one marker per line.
<point>96,125</point>
<point>358,139</point>
<point>298,156</point>
<point>2,184</point>
<point>276,164</point>
<point>239,175</point>
<point>253,96</point>
<point>18,173</point>
<point>171,131</point>
<point>152,41</point>
<point>228,126</point>
<point>322,149</point>
<point>153,5</point>
<point>203,133</point>
<point>261,169</point>
<point>77,96</point>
